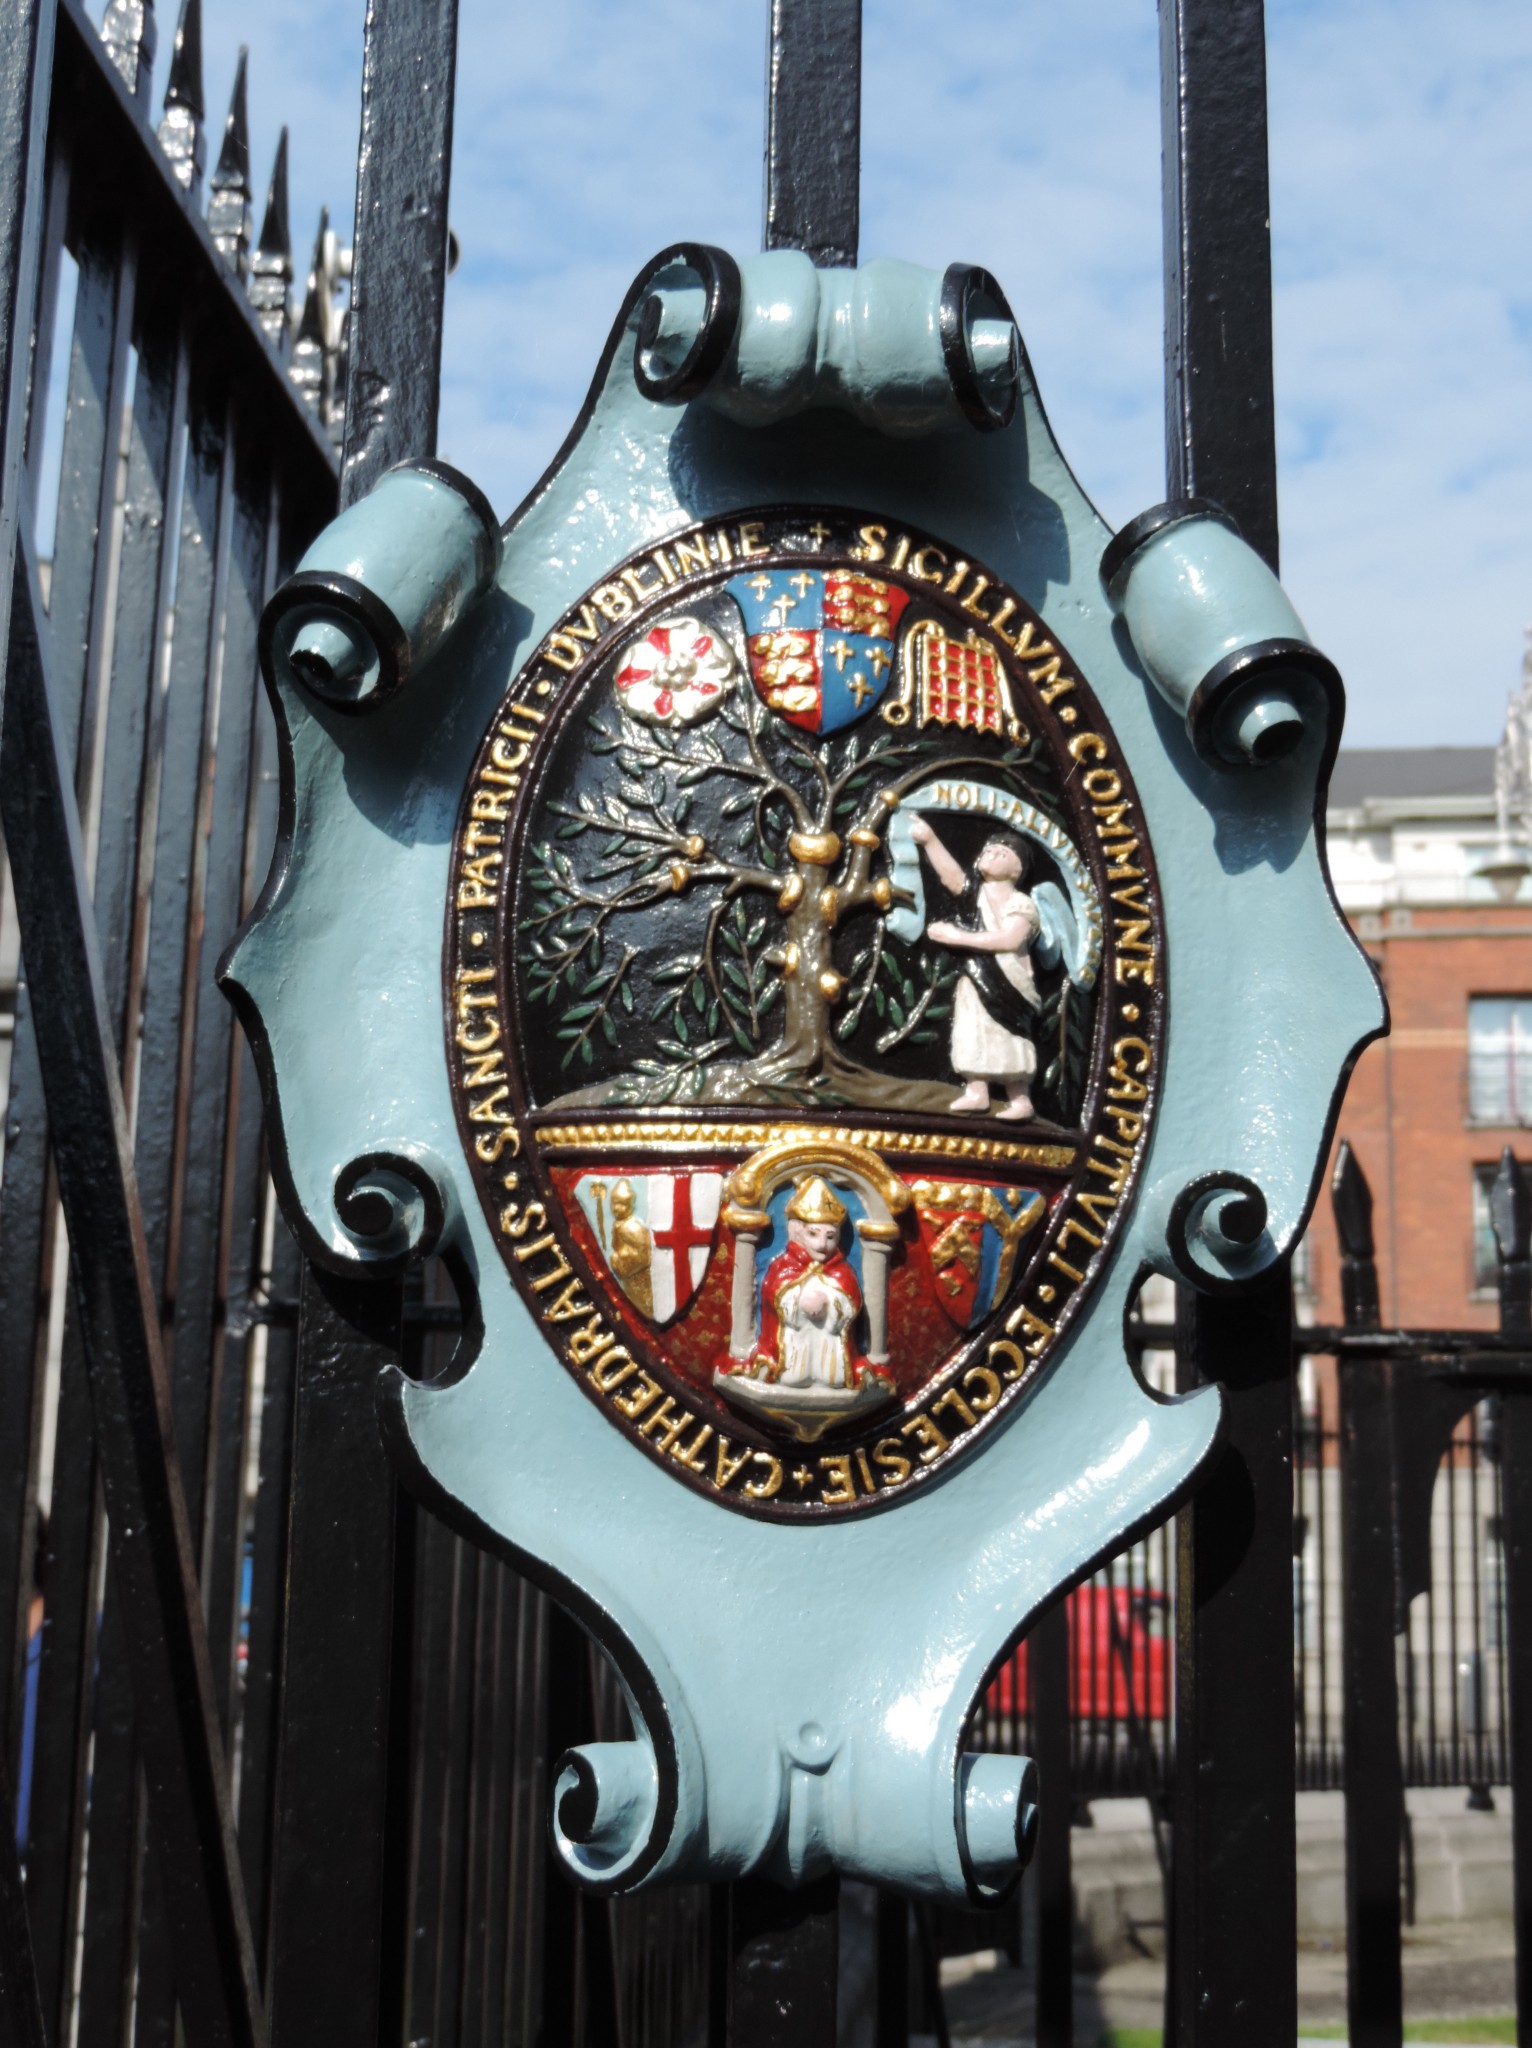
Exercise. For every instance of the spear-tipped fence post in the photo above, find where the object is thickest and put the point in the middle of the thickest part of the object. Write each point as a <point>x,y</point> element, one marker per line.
<point>181,129</point>
<point>271,267</point>
<point>1351,1201</point>
<point>1510,1215</point>
<point>228,211</point>
<point>130,36</point>
<point>1372,1772</point>
<point>310,357</point>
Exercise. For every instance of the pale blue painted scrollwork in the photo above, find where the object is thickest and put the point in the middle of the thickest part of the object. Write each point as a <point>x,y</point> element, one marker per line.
<point>799,1690</point>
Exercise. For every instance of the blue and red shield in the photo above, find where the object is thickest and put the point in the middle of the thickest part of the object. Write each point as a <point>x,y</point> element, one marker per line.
<point>821,646</point>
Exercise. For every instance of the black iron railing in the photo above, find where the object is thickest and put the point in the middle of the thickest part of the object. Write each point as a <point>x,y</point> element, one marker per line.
<point>281,1740</point>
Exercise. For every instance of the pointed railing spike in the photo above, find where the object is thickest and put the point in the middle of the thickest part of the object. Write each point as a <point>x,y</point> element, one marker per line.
<point>228,207</point>
<point>128,31</point>
<point>1510,1210</point>
<point>307,369</point>
<point>271,267</point>
<point>181,130</point>
<point>1351,1202</point>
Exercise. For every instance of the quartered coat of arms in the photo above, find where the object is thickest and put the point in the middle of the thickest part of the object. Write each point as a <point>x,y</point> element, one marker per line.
<point>801,921</point>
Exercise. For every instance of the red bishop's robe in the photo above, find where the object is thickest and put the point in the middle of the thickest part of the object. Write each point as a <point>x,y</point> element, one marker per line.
<point>787,1269</point>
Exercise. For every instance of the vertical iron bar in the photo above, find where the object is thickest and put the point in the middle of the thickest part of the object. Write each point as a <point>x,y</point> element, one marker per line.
<point>26,75</point>
<point>87,511</point>
<point>1511,1215</point>
<point>246,1206</point>
<point>63,1690</point>
<point>180,744</point>
<point>348,1640</point>
<point>1049,1652</point>
<point>1373,1773</point>
<point>107,258</point>
<point>784,1949</point>
<point>26,1258</point>
<point>268,1575</point>
<point>219,817</point>
<point>73,1653</point>
<point>332,1774</point>
<point>399,270</point>
<point>783,1946</point>
<point>1235,1881</point>
<point>456,1736</point>
<point>130,1398</point>
<point>21,2010</point>
<point>433,1680</point>
<point>82,580</point>
<point>814,129</point>
<point>891,2017</point>
<point>111,1890</point>
<point>566,1653</point>
<point>1322,1577</point>
<point>1220,430</point>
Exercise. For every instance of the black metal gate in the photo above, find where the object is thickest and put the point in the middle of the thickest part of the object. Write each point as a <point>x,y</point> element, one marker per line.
<point>280,1739</point>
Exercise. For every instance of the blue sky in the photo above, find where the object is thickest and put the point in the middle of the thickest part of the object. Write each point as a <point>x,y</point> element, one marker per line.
<point>589,133</point>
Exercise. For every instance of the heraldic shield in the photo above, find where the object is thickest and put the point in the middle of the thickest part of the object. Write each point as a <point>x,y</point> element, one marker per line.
<point>770,921</point>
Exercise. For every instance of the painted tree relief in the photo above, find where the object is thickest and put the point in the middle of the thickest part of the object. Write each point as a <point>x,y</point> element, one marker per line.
<point>717,910</point>
<point>806,886</point>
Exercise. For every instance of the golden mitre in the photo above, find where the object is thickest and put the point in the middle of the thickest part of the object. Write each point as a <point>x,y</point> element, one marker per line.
<point>813,1202</point>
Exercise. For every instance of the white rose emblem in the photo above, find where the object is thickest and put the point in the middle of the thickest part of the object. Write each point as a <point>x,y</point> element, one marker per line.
<point>680,672</point>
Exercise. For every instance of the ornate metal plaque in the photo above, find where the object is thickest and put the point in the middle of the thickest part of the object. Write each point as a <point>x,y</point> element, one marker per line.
<point>805,971</point>
<point>800,922</point>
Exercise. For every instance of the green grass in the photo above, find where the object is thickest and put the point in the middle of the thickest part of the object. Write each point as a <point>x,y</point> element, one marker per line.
<point>1501,2029</point>
<point>1498,2028</point>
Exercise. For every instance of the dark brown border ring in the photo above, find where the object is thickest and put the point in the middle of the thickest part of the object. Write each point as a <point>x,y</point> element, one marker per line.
<point>962,283</point>
<point>719,276</point>
<point>1249,664</point>
<point>1126,543</point>
<point>323,590</point>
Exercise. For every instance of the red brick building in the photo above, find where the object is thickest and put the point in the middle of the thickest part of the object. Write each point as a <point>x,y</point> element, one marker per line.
<point>1430,1107</point>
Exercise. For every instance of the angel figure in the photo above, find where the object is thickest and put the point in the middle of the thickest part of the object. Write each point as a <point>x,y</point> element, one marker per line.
<point>995,1007</point>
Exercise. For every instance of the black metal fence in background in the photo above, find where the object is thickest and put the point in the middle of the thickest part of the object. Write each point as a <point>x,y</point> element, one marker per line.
<point>178,475</point>
<point>261,1760</point>
<point>1454,1701</point>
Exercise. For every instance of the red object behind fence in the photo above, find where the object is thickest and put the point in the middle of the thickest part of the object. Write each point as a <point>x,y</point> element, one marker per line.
<point>1117,1635</point>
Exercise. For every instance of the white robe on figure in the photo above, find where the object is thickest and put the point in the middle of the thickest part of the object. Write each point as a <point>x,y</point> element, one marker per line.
<point>983,1050</point>
<point>814,1351</point>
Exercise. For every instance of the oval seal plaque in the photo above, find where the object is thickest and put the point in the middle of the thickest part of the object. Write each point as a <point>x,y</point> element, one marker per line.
<point>805,984</point>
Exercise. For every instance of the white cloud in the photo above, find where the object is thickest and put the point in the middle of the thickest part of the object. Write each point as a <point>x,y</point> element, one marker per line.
<point>591,133</point>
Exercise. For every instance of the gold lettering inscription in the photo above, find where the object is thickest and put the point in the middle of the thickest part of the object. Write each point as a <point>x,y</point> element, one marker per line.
<point>839,1485</point>
<point>887,1454</point>
<point>925,1431</point>
<point>987,1392</point>
<point>763,1489</point>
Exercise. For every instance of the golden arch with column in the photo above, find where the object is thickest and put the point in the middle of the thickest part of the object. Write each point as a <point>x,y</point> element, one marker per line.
<point>883,1197</point>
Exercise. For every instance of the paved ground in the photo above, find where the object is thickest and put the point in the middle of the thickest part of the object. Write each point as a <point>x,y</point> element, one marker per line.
<point>1452,1969</point>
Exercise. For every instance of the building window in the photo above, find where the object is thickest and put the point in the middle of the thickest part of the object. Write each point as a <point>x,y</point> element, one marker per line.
<point>1303,1268</point>
<point>1500,1059</point>
<point>1486,1257</point>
